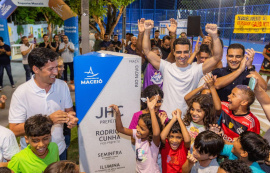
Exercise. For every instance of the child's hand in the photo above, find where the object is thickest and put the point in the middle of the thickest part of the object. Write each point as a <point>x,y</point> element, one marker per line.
<point>151,105</point>
<point>162,116</point>
<point>174,115</point>
<point>216,128</point>
<point>210,80</point>
<point>191,158</point>
<point>115,108</point>
<point>3,98</point>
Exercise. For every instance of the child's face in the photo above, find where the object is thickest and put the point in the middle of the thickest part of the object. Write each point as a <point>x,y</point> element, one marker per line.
<point>197,114</point>
<point>201,157</point>
<point>142,130</point>
<point>235,99</point>
<point>158,105</point>
<point>175,140</point>
<point>39,144</point>
<point>237,148</point>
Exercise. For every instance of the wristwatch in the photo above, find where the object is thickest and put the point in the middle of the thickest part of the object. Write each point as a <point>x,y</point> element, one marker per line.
<point>251,69</point>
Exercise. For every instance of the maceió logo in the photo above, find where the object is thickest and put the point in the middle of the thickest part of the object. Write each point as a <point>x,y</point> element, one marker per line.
<point>91,78</point>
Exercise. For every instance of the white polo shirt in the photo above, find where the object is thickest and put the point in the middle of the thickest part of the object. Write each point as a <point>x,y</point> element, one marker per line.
<point>8,144</point>
<point>29,100</point>
<point>67,55</point>
<point>25,57</point>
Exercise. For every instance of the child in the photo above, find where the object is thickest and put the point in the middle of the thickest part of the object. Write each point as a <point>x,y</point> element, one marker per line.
<point>149,92</point>
<point>207,88</point>
<point>200,114</point>
<point>236,116</point>
<point>8,146</point>
<point>40,152</point>
<point>63,166</point>
<point>234,166</point>
<point>147,138</point>
<point>177,142</point>
<point>250,148</point>
<point>207,146</point>
<point>3,99</point>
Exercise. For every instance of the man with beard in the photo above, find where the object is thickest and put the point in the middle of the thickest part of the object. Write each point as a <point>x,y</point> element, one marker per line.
<point>166,46</point>
<point>26,48</point>
<point>180,78</point>
<point>156,42</point>
<point>239,66</point>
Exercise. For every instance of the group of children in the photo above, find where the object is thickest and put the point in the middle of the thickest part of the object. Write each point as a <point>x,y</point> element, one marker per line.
<point>213,136</point>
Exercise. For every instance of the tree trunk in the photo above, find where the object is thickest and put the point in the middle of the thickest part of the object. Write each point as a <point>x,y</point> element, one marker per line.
<point>115,22</point>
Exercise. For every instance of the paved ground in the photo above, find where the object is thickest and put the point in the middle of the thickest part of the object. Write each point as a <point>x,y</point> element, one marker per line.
<point>19,78</point>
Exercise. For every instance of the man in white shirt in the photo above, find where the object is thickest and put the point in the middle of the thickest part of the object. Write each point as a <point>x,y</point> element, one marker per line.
<point>8,146</point>
<point>180,78</point>
<point>26,48</point>
<point>66,49</point>
<point>43,94</point>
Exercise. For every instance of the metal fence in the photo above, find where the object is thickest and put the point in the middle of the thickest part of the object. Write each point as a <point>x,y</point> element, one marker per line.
<point>211,11</point>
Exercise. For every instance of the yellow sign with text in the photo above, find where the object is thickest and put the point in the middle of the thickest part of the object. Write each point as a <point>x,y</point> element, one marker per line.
<point>255,24</point>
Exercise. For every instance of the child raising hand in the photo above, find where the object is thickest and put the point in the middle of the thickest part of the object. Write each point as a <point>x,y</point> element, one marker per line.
<point>177,142</point>
<point>146,135</point>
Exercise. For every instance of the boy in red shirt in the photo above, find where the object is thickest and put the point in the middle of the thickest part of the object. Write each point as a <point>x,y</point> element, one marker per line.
<point>177,142</point>
<point>236,116</point>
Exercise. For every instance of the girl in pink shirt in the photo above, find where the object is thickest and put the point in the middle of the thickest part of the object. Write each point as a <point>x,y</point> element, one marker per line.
<point>146,135</point>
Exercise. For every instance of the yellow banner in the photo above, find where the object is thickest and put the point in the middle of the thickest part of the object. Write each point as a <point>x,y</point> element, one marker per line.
<point>255,24</point>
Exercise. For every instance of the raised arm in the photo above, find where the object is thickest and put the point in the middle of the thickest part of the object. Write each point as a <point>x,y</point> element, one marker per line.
<point>155,126</point>
<point>118,122</point>
<point>172,28</point>
<point>165,132</point>
<point>210,63</point>
<point>210,81</point>
<point>263,99</point>
<point>196,51</point>
<point>223,81</point>
<point>194,92</point>
<point>250,57</point>
<point>140,35</point>
<point>151,56</point>
<point>185,133</point>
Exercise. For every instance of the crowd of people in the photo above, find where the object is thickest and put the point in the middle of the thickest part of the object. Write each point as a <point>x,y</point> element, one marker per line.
<point>195,114</point>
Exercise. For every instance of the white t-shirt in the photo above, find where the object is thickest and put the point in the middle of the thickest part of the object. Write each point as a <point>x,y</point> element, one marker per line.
<point>8,144</point>
<point>67,55</point>
<point>193,130</point>
<point>211,168</point>
<point>202,81</point>
<point>29,100</point>
<point>25,57</point>
<point>177,82</point>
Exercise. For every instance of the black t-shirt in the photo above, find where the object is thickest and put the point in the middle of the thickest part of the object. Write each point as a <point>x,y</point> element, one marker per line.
<point>4,58</point>
<point>240,80</point>
<point>43,45</point>
<point>165,52</point>
<point>118,43</point>
<point>54,45</point>
<point>155,43</point>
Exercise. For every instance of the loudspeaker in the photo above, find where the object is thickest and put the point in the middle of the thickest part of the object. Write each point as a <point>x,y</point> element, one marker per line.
<point>193,26</point>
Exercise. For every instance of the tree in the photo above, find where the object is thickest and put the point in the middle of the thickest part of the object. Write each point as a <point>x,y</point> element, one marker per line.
<point>111,9</point>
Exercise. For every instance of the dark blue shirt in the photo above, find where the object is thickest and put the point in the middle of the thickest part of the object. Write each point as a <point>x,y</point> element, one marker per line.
<point>240,80</point>
<point>105,44</point>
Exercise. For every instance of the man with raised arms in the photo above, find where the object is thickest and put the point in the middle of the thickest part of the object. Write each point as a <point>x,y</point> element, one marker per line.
<point>180,78</point>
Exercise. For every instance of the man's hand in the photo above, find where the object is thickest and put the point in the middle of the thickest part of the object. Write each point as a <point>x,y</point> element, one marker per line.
<point>73,120</point>
<point>210,80</point>
<point>211,29</point>
<point>173,26</point>
<point>242,66</point>
<point>59,117</point>
<point>141,25</point>
<point>250,56</point>
<point>148,24</point>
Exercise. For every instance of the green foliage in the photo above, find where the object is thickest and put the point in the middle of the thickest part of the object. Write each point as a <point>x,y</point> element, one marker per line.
<point>50,16</point>
<point>25,15</point>
<point>99,8</point>
<point>20,30</point>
